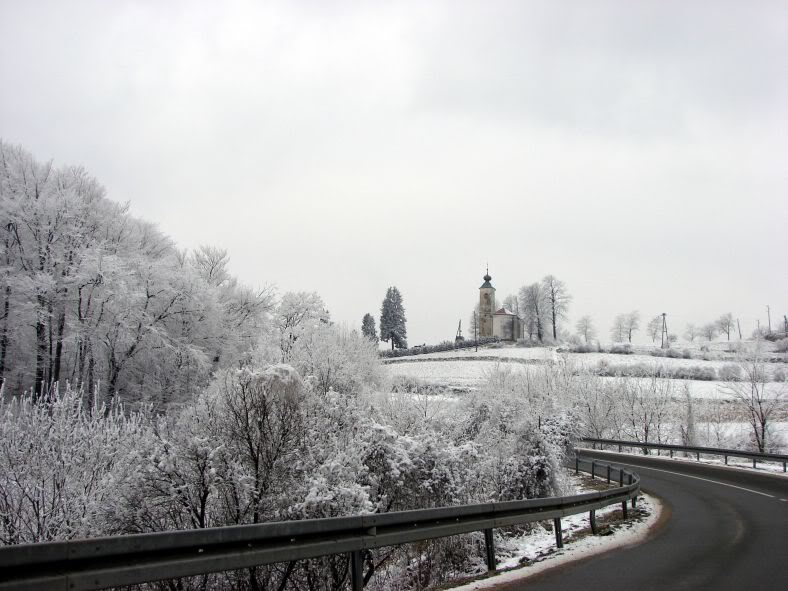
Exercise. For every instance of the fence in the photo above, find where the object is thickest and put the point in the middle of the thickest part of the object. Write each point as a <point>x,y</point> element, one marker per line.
<point>710,451</point>
<point>99,563</point>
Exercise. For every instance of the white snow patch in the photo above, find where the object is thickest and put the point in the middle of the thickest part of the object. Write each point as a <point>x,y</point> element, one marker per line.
<point>627,534</point>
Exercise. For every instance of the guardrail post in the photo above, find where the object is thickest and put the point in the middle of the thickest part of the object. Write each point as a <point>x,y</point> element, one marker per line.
<point>356,574</point>
<point>634,499</point>
<point>784,466</point>
<point>608,473</point>
<point>624,509</point>
<point>671,453</point>
<point>559,540</point>
<point>753,462</point>
<point>593,465</point>
<point>594,529</point>
<point>699,456</point>
<point>621,477</point>
<point>577,465</point>
<point>619,448</point>
<point>489,546</point>
<point>726,461</point>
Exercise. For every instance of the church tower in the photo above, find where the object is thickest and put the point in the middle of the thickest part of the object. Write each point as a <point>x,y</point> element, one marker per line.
<point>486,307</point>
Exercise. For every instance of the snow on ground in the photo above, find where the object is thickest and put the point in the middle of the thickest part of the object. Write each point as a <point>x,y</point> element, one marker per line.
<point>472,373</point>
<point>585,360</point>
<point>449,374</point>
<point>539,549</point>
<point>709,390</point>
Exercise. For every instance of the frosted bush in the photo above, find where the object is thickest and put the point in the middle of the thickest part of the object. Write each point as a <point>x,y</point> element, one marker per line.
<point>64,456</point>
<point>622,349</point>
<point>730,372</point>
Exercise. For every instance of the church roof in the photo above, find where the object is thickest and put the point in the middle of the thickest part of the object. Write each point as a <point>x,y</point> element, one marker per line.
<point>505,312</point>
<point>487,279</point>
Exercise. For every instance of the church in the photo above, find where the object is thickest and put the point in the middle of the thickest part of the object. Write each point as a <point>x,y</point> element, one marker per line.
<point>501,323</point>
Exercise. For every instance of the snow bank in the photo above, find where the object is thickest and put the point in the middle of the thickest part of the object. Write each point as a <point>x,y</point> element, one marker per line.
<point>625,534</point>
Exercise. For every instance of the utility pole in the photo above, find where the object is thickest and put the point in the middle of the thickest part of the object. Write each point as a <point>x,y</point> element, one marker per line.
<point>665,339</point>
<point>476,331</point>
<point>739,327</point>
<point>769,316</point>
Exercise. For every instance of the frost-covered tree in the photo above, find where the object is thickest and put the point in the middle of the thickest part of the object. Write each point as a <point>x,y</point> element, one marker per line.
<point>392,320</point>
<point>297,313</point>
<point>709,331</point>
<point>59,465</point>
<point>473,322</point>
<point>96,297</point>
<point>368,327</point>
<point>654,327</point>
<point>512,303</point>
<point>535,306</point>
<point>585,328</point>
<point>691,332</point>
<point>334,358</point>
<point>725,324</point>
<point>759,402</point>
<point>619,329</point>
<point>557,299</point>
<point>632,323</point>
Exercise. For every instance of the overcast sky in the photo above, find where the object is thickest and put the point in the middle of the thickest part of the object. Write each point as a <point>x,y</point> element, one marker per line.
<point>636,150</point>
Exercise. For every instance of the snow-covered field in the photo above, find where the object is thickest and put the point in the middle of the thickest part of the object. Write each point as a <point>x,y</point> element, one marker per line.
<point>467,369</point>
<point>584,360</point>
<point>472,372</point>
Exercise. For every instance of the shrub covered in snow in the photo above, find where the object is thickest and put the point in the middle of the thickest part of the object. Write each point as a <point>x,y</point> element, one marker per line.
<point>622,349</point>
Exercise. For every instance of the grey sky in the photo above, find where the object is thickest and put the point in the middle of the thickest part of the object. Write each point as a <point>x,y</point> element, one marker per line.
<point>636,150</point>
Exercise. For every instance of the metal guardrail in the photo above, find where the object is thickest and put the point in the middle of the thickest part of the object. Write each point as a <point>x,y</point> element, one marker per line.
<point>709,451</point>
<point>99,563</point>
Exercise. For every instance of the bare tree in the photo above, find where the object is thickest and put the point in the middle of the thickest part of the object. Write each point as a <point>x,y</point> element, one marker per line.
<point>654,327</point>
<point>558,299</point>
<point>758,402</point>
<point>619,328</point>
<point>512,303</point>
<point>533,301</point>
<point>585,328</point>
<point>725,324</point>
<point>632,323</point>
<point>709,331</point>
<point>473,322</point>
<point>691,332</point>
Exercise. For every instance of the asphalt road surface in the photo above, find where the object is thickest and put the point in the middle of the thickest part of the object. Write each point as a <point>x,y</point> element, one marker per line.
<point>724,529</point>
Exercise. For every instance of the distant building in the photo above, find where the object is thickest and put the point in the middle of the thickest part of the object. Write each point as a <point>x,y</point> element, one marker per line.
<point>501,323</point>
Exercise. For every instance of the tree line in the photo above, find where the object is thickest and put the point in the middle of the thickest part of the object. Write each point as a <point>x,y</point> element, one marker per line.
<point>100,299</point>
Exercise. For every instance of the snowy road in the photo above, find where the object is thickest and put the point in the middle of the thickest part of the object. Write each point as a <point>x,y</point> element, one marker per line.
<point>723,529</point>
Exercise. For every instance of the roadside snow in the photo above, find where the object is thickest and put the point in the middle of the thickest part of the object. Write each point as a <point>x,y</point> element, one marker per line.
<point>625,534</point>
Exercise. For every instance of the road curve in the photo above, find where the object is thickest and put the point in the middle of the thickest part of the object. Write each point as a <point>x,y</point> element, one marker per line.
<point>726,529</point>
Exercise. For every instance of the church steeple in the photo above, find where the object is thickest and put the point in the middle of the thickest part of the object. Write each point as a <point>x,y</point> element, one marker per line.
<point>486,306</point>
<point>487,280</point>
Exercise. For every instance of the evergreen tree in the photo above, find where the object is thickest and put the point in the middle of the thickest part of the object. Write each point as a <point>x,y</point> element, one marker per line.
<point>392,320</point>
<point>368,328</point>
